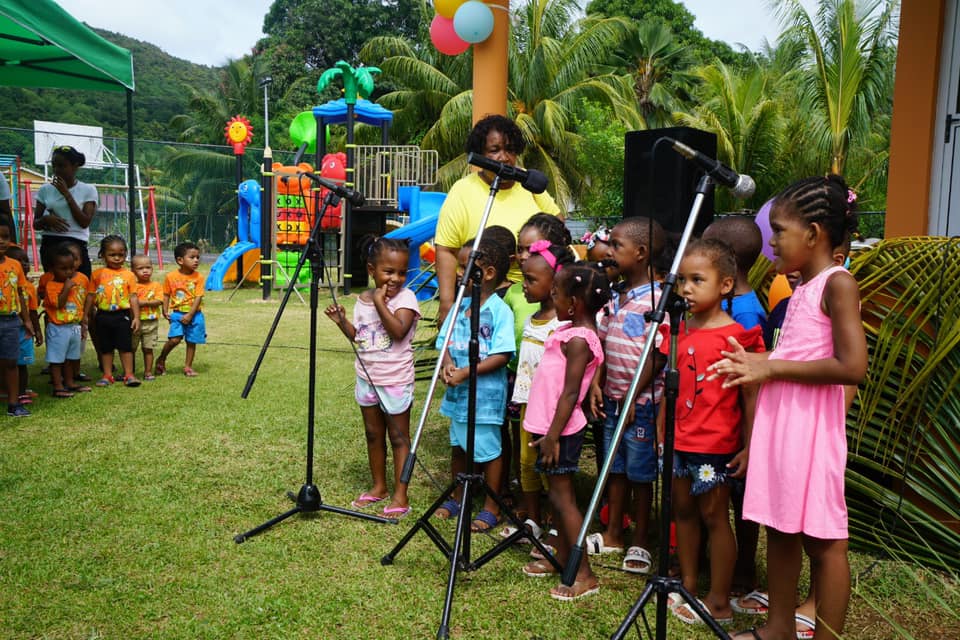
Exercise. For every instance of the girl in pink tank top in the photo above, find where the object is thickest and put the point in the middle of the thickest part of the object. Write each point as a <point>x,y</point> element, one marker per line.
<point>795,475</point>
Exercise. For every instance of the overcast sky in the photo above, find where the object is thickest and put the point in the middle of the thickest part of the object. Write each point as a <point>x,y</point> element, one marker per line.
<point>212,31</point>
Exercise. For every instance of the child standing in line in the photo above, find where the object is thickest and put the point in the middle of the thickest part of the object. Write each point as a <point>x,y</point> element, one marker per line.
<point>554,417</point>
<point>150,299</point>
<point>64,300</point>
<point>496,348</point>
<point>598,250</point>
<point>539,269</point>
<point>795,480</point>
<point>384,321</point>
<point>712,424</point>
<point>113,292</point>
<point>623,332</point>
<point>13,317</point>
<point>182,307</point>
<point>26,395</point>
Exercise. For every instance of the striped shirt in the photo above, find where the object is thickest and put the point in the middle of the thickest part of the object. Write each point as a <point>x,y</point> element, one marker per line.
<point>622,328</point>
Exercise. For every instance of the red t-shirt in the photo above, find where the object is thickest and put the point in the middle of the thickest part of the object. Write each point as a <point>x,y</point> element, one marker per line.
<point>708,416</point>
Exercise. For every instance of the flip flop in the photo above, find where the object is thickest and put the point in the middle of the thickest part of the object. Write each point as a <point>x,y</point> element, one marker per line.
<point>62,394</point>
<point>596,546</point>
<point>396,513</point>
<point>190,373</point>
<point>637,554</point>
<point>131,381</point>
<point>451,506</point>
<point>364,500</point>
<point>575,594</point>
<point>484,521</point>
<point>159,369</point>
<point>807,621</point>
<point>535,552</point>
<point>685,613</point>
<point>531,527</point>
<point>757,596</point>
<point>79,389</point>
<point>105,381</point>
<point>539,569</point>
<point>149,377</point>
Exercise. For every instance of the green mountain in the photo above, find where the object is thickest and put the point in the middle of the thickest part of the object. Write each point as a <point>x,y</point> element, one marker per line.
<point>162,80</point>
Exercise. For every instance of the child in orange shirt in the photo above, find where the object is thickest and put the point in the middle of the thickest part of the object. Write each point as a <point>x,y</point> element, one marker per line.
<point>150,297</point>
<point>13,314</point>
<point>25,395</point>
<point>113,291</point>
<point>182,298</point>
<point>64,297</point>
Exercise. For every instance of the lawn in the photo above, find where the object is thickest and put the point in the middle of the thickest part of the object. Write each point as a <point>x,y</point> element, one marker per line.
<point>118,510</point>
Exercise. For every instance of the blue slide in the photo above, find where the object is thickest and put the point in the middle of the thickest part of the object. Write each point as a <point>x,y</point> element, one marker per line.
<point>227,258</point>
<point>424,209</point>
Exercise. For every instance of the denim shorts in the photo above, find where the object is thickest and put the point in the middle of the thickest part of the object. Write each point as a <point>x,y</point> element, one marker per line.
<point>194,333</point>
<point>63,342</point>
<point>636,456</point>
<point>706,470</point>
<point>569,458</point>
<point>10,327</point>
<point>396,398</point>
<point>486,440</point>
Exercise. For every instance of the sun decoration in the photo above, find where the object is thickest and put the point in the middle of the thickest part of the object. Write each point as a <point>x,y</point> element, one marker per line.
<point>239,133</point>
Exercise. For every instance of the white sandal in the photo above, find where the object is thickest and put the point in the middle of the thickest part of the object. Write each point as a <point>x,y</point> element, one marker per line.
<point>637,554</point>
<point>531,526</point>
<point>595,545</point>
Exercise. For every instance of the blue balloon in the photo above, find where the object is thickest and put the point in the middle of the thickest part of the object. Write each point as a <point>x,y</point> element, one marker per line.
<point>473,21</point>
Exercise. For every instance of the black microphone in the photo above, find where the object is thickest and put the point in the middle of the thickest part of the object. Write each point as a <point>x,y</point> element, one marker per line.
<point>355,197</point>
<point>531,179</point>
<point>741,185</point>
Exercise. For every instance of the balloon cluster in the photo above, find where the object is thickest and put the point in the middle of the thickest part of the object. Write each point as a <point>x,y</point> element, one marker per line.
<point>458,24</point>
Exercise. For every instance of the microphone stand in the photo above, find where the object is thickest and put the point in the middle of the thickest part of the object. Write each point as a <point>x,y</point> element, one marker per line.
<point>661,583</point>
<point>308,499</point>
<point>473,484</point>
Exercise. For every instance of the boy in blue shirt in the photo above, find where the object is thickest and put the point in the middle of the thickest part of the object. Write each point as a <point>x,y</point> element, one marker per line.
<point>742,234</point>
<point>497,345</point>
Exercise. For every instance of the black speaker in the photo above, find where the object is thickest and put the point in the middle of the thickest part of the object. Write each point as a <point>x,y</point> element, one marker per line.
<point>663,188</point>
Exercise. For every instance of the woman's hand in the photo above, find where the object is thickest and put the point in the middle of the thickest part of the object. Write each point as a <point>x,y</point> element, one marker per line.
<point>739,366</point>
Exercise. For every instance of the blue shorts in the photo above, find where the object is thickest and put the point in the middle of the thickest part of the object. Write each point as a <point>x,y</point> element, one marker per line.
<point>705,470</point>
<point>486,440</point>
<point>26,349</point>
<point>569,459</point>
<point>10,327</point>
<point>636,455</point>
<point>63,342</point>
<point>396,398</point>
<point>194,333</point>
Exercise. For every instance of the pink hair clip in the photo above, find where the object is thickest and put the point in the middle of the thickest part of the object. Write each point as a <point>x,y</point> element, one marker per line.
<point>851,196</point>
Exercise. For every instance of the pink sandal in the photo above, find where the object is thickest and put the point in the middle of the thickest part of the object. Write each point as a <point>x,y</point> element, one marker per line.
<point>190,373</point>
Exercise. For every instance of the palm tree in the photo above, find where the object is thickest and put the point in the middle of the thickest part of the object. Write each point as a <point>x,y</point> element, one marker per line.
<point>738,106</point>
<point>208,111</point>
<point>848,72</point>
<point>656,60</point>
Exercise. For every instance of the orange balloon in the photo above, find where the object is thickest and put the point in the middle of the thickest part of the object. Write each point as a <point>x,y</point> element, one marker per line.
<point>779,290</point>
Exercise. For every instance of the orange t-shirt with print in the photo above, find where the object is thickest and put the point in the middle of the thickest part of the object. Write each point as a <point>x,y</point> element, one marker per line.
<point>72,311</point>
<point>148,292</point>
<point>112,288</point>
<point>183,289</point>
<point>30,290</point>
<point>12,283</point>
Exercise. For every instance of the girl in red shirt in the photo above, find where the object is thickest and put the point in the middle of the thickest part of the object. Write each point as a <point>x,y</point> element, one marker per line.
<point>712,425</point>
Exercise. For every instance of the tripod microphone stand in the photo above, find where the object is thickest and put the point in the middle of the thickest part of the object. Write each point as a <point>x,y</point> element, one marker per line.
<point>660,584</point>
<point>472,483</point>
<point>308,498</point>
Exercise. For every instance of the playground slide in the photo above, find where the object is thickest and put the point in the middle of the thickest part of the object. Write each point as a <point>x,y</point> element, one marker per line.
<point>219,268</point>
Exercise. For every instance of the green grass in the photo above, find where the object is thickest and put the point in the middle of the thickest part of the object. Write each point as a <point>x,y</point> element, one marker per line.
<point>118,510</point>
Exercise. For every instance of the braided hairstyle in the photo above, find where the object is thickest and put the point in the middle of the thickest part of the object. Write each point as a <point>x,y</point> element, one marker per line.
<point>586,281</point>
<point>372,247</point>
<point>721,257</point>
<point>826,200</point>
<point>109,240</point>
<point>550,228</point>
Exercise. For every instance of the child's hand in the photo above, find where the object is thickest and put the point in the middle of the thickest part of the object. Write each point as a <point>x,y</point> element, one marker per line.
<point>135,325</point>
<point>28,330</point>
<point>166,314</point>
<point>737,468</point>
<point>594,401</point>
<point>83,330</point>
<point>740,367</point>
<point>452,376</point>
<point>336,313</point>
<point>38,338</point>
<point>380,294</point>
<point>549,449</point>
<point>186,318</point>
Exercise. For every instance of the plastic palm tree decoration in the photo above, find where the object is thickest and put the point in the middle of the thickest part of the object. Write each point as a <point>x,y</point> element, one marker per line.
<point>357,82</point>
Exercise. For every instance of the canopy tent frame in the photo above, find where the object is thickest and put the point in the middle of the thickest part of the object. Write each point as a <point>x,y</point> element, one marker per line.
<point>43,46</point>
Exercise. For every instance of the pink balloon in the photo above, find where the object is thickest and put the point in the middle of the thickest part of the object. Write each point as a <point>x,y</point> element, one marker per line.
<point>445,38</point>
<point>763,221</point>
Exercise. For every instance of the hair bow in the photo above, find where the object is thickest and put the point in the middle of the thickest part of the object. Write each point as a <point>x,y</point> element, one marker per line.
<point>602,234</point>
<point>542,248</point>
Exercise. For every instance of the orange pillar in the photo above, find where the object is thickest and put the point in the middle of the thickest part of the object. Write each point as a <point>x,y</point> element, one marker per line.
<point>490,65</point>
<point>914,124</point>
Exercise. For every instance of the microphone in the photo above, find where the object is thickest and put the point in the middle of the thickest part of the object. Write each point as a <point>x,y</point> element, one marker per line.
<point>741,185</point>
<point>530,179</point>
<point>354,197</point>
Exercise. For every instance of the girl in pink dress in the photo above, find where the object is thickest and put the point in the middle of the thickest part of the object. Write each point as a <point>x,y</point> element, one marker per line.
<point>554,419</point>
<point>795,477</point>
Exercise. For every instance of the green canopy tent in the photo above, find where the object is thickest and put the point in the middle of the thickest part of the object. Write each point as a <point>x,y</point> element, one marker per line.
<point>41,45</point>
